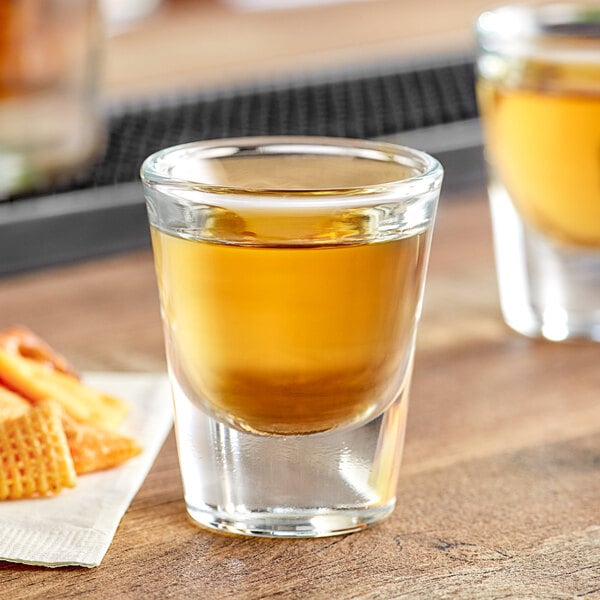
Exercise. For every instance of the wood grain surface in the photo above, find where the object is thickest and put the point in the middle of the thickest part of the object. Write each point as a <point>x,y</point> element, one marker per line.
<point>499,495</point>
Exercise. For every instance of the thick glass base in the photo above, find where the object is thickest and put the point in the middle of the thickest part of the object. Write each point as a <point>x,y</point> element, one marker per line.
<point>293,486</point>
<point>289,525</point>
<point>547,289</point>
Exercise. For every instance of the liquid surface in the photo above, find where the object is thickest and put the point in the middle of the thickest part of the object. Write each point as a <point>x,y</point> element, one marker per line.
<point>542,129</point>
<point>290,340</point>
<point>278,171</point>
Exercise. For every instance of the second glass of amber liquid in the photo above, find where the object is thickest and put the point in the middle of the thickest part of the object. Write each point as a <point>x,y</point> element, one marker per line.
<point>291,275</point>
<point>539,94</point>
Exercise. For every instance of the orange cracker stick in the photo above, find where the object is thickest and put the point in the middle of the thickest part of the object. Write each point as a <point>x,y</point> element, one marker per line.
<point>94,449</point>
<point>22,341</point>
<point>37,381</point>
<point>35,458</point>
<point>12,405</point>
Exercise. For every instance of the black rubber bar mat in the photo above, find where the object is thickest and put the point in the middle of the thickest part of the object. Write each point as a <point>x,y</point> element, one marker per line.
<point>101,211</point>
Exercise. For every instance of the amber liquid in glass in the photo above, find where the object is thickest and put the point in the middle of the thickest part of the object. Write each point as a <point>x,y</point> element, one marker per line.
<point>290,340</point>
<point>292,322</point>
<point>542,127</point>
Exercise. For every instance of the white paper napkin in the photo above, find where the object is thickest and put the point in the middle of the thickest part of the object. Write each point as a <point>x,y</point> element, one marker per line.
<point>77,526</point>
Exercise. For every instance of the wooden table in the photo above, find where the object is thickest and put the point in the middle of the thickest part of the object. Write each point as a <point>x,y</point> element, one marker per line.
<point>499,495</point>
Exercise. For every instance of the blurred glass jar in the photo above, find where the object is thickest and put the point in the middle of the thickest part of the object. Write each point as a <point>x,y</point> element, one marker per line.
<point>50,117</point>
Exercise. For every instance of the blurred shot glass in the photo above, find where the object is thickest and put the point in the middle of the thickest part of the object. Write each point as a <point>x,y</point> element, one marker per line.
<point>50,124</point>
<point>539,96</point>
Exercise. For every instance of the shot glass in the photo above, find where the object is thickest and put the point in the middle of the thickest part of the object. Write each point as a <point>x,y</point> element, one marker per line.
<point>291,274</point>
<point>539,95</point>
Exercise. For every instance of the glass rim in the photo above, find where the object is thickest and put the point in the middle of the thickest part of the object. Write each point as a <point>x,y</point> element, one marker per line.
<point>426,181</point>
<point>521,29</point>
